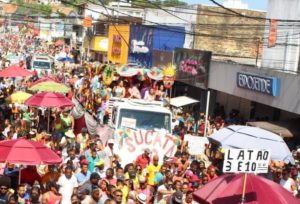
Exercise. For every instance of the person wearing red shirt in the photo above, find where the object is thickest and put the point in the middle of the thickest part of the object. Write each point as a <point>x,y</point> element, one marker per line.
<point>143,160</point>
<point>29,175</point>
<point>211,173</point>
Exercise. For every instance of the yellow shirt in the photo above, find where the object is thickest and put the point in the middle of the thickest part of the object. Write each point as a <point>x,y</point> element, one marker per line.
<point>125,192</point>
<point>151,171</point>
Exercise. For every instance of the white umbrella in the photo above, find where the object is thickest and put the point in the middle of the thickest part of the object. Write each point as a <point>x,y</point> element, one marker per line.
<point>245,137</point>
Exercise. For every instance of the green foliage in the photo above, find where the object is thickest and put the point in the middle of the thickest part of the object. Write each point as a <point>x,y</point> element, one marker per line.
<point>31,8</point>
<point>157,3</point>
<point>173,3</point>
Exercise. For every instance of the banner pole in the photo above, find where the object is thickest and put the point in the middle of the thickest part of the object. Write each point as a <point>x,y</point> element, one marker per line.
<point>244,189</point>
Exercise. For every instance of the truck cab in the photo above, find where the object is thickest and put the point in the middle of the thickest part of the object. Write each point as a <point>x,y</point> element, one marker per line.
<point>139,114</point>
<point>42,64</point>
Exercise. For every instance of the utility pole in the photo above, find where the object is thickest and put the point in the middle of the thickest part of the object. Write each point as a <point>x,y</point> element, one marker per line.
<point>257,51</point>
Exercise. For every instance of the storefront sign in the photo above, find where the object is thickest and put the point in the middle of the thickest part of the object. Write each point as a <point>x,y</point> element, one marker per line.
<point>141,42</point>
<point>246,161</point>
<point>267,85</point>
<point>118,40</point>
<point>136,141</point>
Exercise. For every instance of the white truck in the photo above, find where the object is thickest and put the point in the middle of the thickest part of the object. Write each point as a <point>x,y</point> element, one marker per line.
<point>140,124</point>
<point>42,64</point>
<point>139,114</point>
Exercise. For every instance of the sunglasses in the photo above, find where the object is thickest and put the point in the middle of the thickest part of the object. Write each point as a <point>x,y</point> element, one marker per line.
<point>3,188</point>
<point>118,195</point>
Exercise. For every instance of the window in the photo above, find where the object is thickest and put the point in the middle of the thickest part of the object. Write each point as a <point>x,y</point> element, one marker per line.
<point>146,119</point>
<point>41,65</point>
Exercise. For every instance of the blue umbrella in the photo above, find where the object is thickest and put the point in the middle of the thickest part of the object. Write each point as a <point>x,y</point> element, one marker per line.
<point>245,137</point>
<point>65,59</point>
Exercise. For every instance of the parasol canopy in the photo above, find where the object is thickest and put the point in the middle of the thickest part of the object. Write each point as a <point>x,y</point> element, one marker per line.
<point>18,97</point>
<point>22,151</point>
<point>15,71</point>
<point>49,100</point>
<point>228,189</point>
<point>50,86</point>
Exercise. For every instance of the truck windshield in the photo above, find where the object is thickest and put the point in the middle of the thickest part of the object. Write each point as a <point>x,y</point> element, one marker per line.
<point>41,65</point>
<point>144,120</point>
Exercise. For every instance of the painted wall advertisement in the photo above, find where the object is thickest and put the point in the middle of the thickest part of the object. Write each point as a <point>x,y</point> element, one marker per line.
<point>141,40</point>
<point>118,40</point>
<point>134,142</point>
<point>192,66</point>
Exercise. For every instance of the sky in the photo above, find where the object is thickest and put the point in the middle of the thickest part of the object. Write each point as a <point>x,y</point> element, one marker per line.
<point>253,4</point>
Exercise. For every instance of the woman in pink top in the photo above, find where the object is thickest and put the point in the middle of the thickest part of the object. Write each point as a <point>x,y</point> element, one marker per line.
<point>145,189</point>
<point>51,196</point>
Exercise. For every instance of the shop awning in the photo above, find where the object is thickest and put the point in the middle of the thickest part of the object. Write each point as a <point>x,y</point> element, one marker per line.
<point>289,128</point>
<point>182,101</point>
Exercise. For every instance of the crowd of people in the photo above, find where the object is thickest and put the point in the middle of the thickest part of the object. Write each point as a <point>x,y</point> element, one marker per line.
<point>91,171</point>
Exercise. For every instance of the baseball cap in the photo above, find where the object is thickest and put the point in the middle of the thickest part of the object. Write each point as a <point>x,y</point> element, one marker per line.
<point>147,150</point>
<point>111,141</point>
<point>178,196</point>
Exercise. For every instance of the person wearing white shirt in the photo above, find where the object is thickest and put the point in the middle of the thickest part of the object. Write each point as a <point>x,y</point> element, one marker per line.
<point>68,185</point>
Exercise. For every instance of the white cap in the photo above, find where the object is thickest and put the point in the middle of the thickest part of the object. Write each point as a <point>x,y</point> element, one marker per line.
<point>111,141</point>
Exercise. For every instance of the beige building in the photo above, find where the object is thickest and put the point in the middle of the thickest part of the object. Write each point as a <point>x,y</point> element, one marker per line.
<point>226,34</point>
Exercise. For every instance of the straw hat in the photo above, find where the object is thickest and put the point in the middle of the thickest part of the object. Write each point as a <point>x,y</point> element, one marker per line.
<point>142,198</point>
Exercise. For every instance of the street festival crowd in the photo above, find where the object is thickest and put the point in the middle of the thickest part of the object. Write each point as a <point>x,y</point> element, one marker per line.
<point>90,172</point>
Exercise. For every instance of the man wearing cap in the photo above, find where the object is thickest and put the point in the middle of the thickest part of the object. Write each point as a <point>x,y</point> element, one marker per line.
<point>67,142</point>
<point>143,160</point>
<point>176,198</point>
<point>99,168</point>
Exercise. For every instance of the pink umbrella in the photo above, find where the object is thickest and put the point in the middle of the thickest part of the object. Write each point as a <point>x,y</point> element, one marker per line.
<point>228,189</point>
<point>15,71</point>
<point>22,151</point>
<point>49,100</point>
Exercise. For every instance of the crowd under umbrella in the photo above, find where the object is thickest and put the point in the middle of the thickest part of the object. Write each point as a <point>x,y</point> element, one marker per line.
<point>246,137</point>
<point>49,100</point>
<point>15,71</point>
<point>50,86</point>
<point>228,189</point>
<point>18,97</point>
<point>27,152</point>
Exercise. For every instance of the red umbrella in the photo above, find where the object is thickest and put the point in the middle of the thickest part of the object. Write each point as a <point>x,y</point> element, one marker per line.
<point>44,79</point>
<point>22,151</point>
<point>228,189</point>
<point>48,100</point>
<point>15,71</point>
